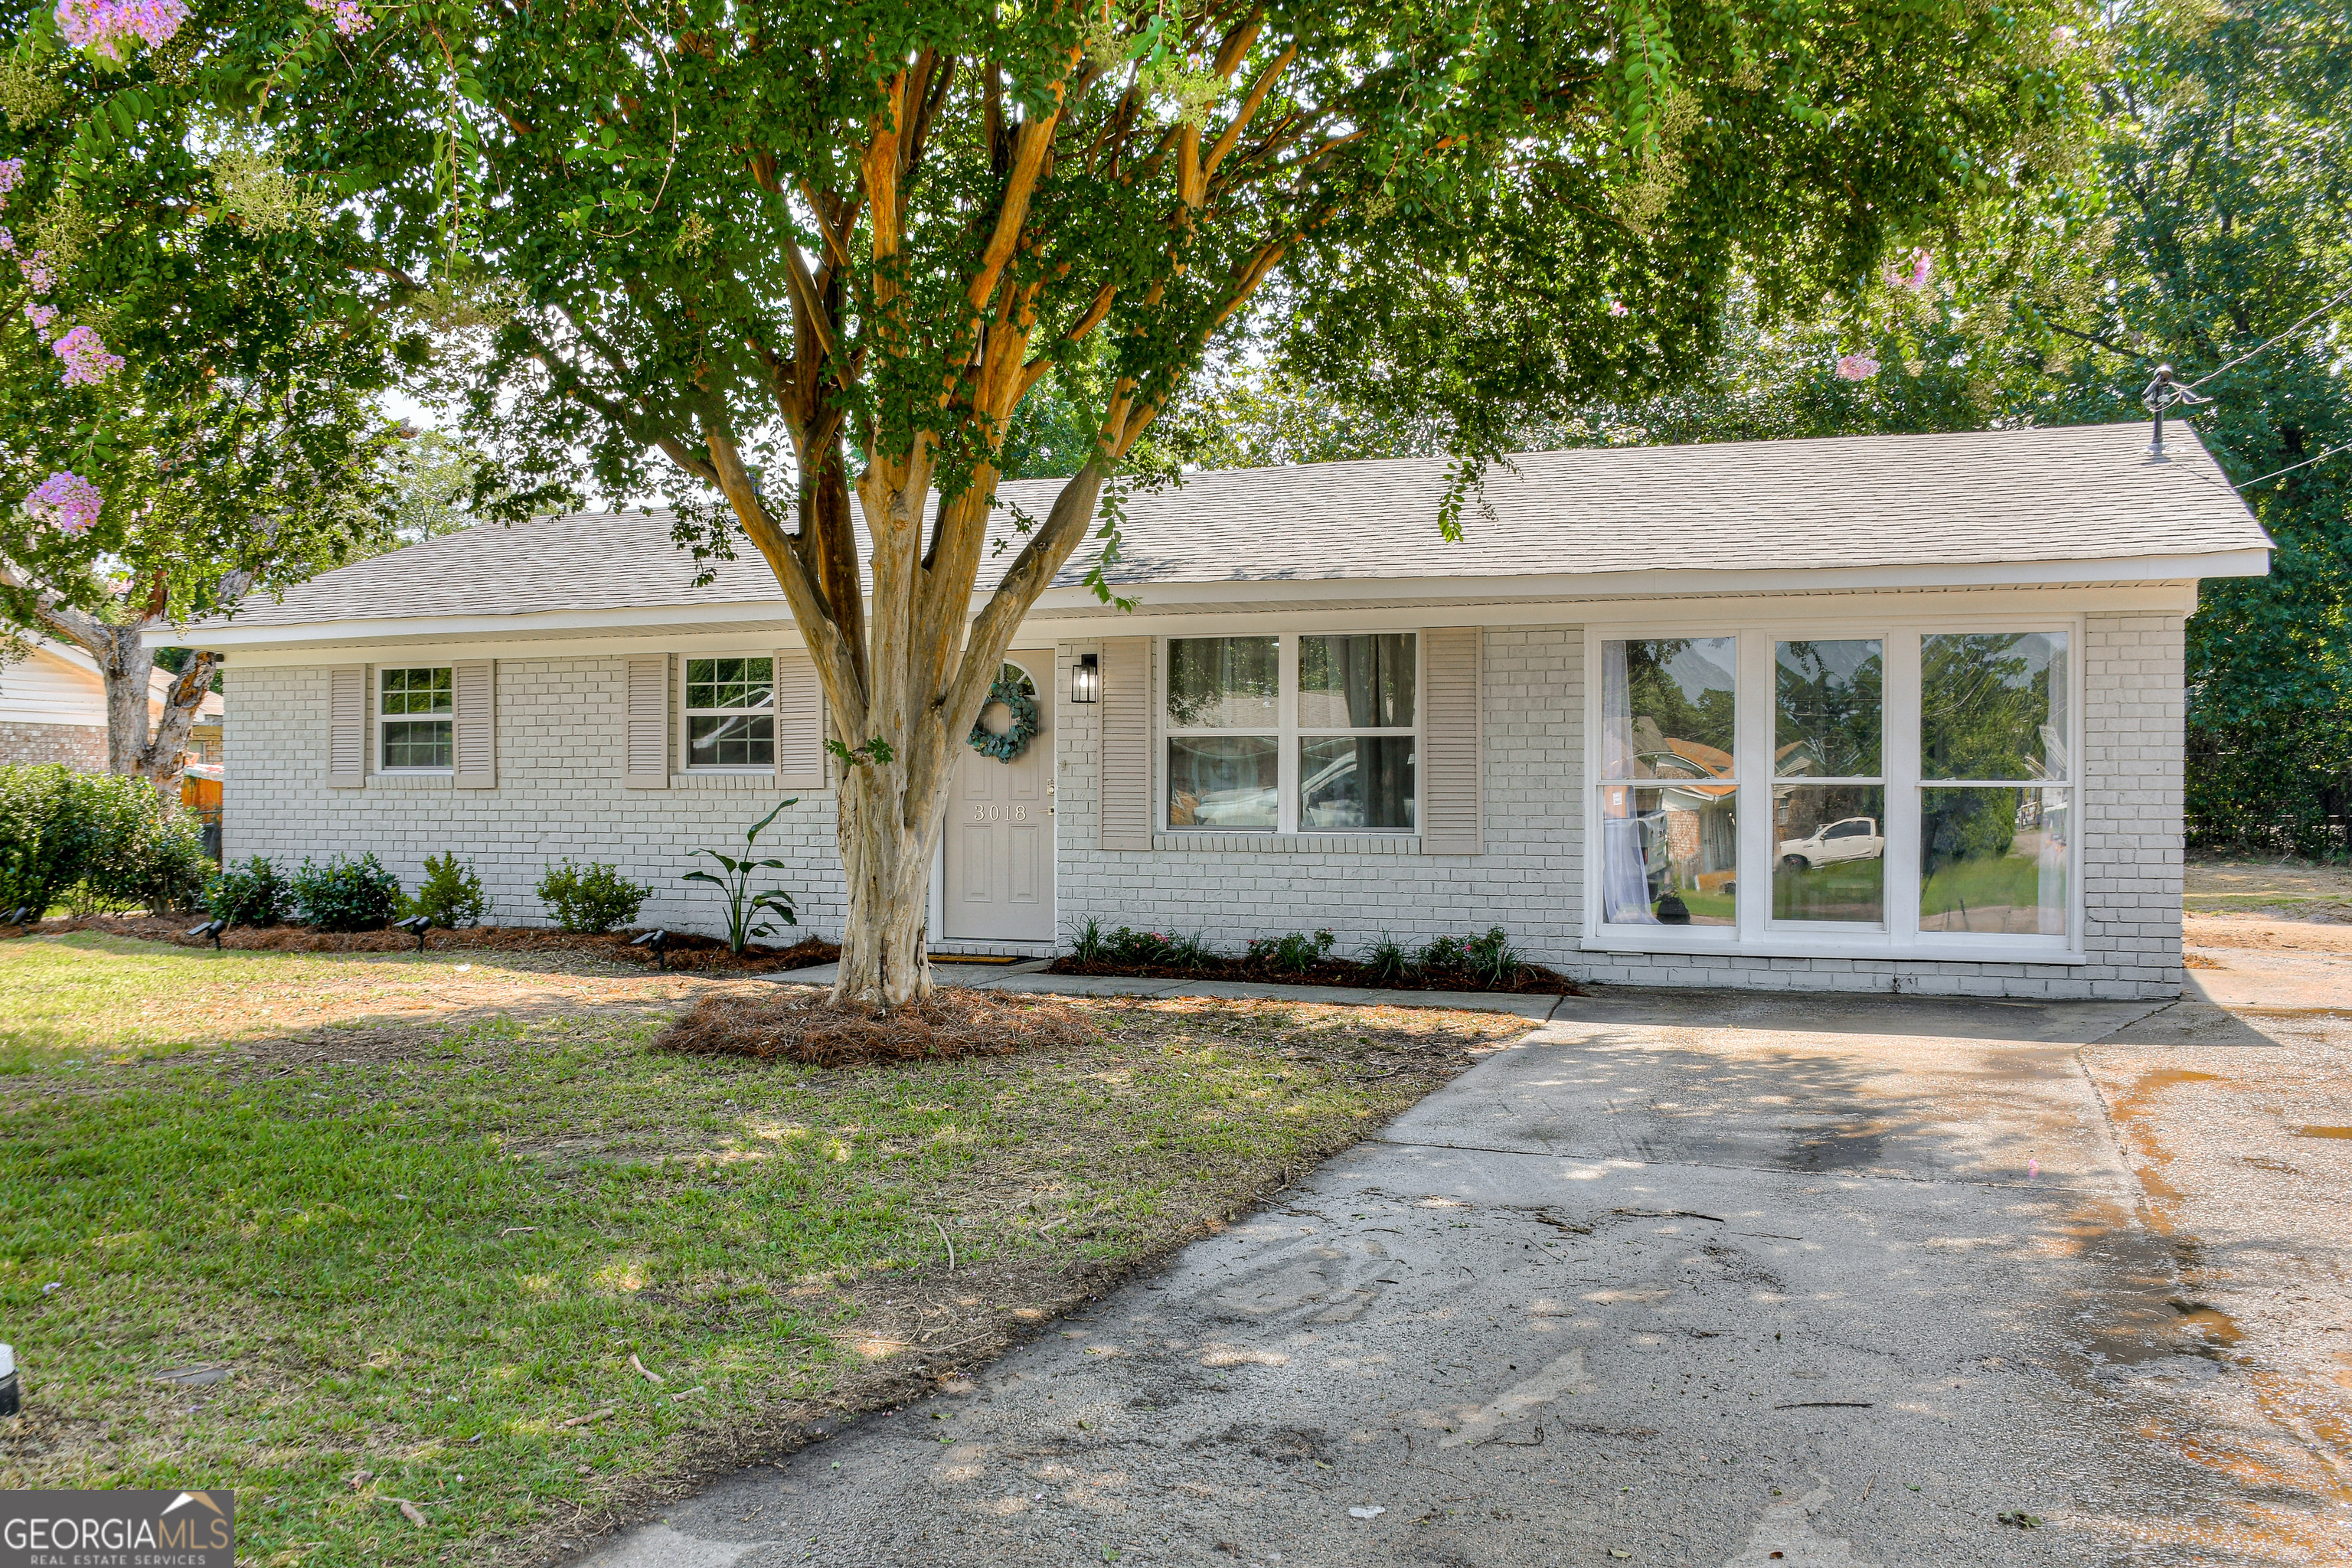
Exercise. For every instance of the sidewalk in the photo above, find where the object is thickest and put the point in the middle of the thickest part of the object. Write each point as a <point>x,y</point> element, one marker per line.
<point>1030,978</point>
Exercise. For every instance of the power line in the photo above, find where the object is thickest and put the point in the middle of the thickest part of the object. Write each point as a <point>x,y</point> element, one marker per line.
<point>2340,298</point>
<point>2291,467</point>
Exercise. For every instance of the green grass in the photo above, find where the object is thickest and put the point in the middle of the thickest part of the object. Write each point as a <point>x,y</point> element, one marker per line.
<point>1841,891</point>
<point>2008,881</point>
<point>419,1261</point>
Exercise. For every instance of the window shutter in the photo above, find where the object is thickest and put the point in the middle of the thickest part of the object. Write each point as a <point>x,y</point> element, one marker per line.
<point>347,724</point>
<point>474,749</point>
<point>1124,807</point>
<point>800,721</point>
<point>645,740</point>
<point>1452,819</point>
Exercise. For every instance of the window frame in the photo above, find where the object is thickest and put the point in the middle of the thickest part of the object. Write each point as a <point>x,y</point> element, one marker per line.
<point>382,719</point>
<point>1756,932</point>
<point>688,715</point>
<point>1287,732</point>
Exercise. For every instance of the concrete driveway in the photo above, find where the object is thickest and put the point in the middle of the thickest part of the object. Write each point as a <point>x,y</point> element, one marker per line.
<point>1684,1280</point>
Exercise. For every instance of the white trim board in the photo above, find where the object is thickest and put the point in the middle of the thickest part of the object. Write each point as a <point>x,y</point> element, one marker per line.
<point>366,639</point>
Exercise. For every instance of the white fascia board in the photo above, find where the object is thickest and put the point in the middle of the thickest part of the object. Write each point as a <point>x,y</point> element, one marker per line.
<point>586,626</point>
<point>1569,587</point>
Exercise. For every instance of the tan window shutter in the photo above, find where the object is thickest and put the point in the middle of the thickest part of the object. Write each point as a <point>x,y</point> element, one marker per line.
<point>645,743</point>
<point>800,721</point>
<point>1452,819</point>
<point>1125,705</point>
<point>474,734</point>
<point>347,721</point>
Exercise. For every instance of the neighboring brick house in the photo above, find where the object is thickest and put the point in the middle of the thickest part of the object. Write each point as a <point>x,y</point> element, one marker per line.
<point>1877,713</point>
<point>53,707</point>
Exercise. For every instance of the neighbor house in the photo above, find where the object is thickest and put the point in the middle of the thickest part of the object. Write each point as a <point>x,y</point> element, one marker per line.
<point>53,708</point>
<point>1883,714</point>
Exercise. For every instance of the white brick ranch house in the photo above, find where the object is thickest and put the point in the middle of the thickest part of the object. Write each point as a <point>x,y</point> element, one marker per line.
<point>1883,714</point>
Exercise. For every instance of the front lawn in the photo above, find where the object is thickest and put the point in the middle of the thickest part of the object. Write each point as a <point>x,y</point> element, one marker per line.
<point>432,1215</point>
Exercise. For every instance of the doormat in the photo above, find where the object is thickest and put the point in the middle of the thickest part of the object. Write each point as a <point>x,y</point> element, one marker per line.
<point>980,958</point>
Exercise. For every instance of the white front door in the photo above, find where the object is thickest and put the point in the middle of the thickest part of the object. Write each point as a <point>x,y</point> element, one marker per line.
<point>1000,837</point>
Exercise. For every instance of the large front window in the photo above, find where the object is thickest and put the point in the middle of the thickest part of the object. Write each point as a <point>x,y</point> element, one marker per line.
<point>417,709</point>
<point>1870,788</point>
<point>1312,733</point>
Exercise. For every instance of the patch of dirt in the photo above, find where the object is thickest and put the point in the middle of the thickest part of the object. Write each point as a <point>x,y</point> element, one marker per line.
<point>698,954</point>
<point>1531,980</point>
<point>801,1028</point>
<point>2253,931</point>
<point>2282,889</point>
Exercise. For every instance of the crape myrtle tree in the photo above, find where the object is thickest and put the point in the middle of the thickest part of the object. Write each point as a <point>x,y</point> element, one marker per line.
<point>185,372</point>
<point>843,241</point>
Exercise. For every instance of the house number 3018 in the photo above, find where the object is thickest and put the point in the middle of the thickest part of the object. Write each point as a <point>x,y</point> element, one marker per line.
<point>1000,813</point>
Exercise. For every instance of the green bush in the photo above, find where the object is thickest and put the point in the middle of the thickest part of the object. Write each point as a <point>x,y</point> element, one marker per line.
<point>451,895</point>
<point>1292,952</point>
<point>252,894</point>
<point>346,895</point>
<point>1386,962</point>
<point>109,841</point>
<point>592,900</point>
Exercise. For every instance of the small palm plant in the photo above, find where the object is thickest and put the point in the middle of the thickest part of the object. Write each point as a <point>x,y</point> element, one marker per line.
<point>745,908</point>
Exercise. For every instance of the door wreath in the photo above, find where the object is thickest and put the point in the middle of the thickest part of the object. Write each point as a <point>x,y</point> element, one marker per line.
<point>1012,690</point>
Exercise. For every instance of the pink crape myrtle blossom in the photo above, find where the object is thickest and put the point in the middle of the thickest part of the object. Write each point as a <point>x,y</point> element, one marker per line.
<point>40,315</point>
<point>103,26</point>
<point>66,502</point>
<point>1856,367</point>
<point>88,363</point>
<point>352,18</point>
<point>1916,269</point>
<point>1618,307</point>
<point>39,269</point>
<point>12,175</point>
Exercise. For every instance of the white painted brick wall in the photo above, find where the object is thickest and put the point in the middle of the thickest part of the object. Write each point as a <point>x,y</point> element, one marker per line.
<point>1531,879</point>
<point>559,796</point>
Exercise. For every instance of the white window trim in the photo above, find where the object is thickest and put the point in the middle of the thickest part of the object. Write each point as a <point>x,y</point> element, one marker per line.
<point>687,716</point>
<point>1757,935</point>
<point>375,674</point>
<point>1287,732</point>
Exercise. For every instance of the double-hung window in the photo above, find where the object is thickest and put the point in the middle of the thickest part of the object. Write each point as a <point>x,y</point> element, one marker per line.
<point>415,709</point>
<point>1830,789</point>
<point>1301,734</point>
<point>730,713</point>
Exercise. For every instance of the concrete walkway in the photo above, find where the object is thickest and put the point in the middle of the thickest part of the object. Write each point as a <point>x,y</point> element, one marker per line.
<point>1684,1280</point>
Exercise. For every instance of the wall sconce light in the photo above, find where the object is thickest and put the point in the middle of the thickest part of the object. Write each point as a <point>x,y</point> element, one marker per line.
<point>1085,678</point>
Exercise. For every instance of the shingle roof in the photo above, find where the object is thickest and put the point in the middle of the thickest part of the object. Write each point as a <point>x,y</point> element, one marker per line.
<point>2087,493</point>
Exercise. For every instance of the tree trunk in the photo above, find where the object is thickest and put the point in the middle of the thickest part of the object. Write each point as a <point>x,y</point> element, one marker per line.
<point>126,670</point>
<point>888,844</point>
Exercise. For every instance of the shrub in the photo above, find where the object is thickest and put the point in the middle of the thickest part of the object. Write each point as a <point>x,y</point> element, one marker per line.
<point>1386,962</point>
<point>252,894</point>
<point>1087,944</point>
<point>1125,946</point>
<point>110,840</point>
<point>1191,951</point>
<point>1491,959</point>
<point>592,900</point>
<point>451,895</point>
<point>346,895</point>
<point>746,909</point>
<point>1294,953</point>
<point>1445,953</point>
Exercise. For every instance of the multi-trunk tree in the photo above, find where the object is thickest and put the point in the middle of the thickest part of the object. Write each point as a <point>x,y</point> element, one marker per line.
<point>799,264</point>
<point>186,364</point>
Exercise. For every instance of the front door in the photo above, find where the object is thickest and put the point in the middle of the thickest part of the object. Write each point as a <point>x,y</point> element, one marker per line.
<point>1000,837</point>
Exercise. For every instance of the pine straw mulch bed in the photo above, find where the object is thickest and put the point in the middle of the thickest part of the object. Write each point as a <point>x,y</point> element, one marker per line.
<point>699,953</point>
<point>801,1028</point>
<point>1528,980</point>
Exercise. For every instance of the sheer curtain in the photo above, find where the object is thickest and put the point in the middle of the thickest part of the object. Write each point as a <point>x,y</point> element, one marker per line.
<point>1624,877</point>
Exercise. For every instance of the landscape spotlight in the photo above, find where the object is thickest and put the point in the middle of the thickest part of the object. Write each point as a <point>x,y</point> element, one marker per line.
<point>415,926</point>
<point>20,915</point>
<point>212,929</point>
<point>658,942</point>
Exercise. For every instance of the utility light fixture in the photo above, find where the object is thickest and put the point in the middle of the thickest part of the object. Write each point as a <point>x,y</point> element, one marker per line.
<point>1086,679</point>
<point>212,929</point>
<point>415,926</point>
<point>658,942</point>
